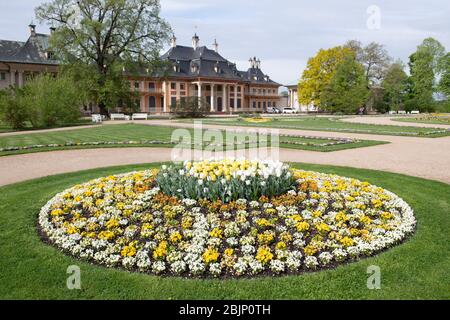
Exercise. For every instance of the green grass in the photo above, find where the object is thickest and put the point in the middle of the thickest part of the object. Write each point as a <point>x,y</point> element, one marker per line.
<point>332,124</point>
<point>137,132</point>
<point>417,269</point>
<point>7,128</point>
<point>428,120</point>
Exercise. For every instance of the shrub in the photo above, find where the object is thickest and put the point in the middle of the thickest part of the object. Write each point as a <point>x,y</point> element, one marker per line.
<point>191,107</point>
<point>12,111</point>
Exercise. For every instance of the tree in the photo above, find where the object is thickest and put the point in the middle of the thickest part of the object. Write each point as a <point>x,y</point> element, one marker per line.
<point>375,59</point>
<point>191,107</point>
<point>105,35</point>
<point>425,66</point>
<point>395,85</point>
<point>347,90</point>
<point>444,83</point>
<point>44,101</point>
<point>319,72</point>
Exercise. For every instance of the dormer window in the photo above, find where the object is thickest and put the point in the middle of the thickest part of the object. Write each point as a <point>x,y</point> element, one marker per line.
<point>49,55</point>
<point>194,68</point>
<point>266,78</point>
<point>217,69</point>
<point>255,78</point>
<point>176,66</point>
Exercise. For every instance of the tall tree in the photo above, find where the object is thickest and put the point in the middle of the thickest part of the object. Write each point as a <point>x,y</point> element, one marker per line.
<point>347,90</point>
<point>395,85</point>
<point>105,34</point>
<point>425,66</point>
<point>444,83</point>
<point>319,72</point>
<point>375,59</point>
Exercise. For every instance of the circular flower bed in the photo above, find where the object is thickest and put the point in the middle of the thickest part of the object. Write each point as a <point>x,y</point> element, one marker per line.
<point>319,221</point>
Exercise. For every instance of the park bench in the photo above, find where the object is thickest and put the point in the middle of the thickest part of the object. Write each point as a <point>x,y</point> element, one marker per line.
<point>119,116</point>
<point>97,118</point>
<point>392,112</point>
<point>415,112</point>
<point>401,112</point>
<point>140,116</point>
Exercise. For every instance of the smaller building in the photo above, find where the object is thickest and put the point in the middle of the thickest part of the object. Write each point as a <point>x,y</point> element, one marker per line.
<point>20,61</point>
<point>295,104</point>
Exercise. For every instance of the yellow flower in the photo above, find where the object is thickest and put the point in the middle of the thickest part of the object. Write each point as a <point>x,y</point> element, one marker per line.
<point>281,245</point>
<point>106,235</point>
<point>229,252</point>
<point>112,223</point>
<point>160,251</point>
<point>216,233</point>
<point>175,237</point>
<point>310,250</point>
<point>264,255</point>
<point>386,215</point>
<point>210,255</point>
<point>57,212</point>
<point>302,226</point>
<point>347,242</point>
<point>128,251</point>
<point>266,237</point>
<point>323,227</point>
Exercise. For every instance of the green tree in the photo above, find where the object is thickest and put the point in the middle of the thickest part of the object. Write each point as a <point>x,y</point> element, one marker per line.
<point>425,66</point>
<point>12,110</point>
<point>395,85</point>
<point>191,107</point>
<point>106,35</point>
<point>444,83</point>
<point>319,72</point>
<point>375,59</point>
<point>347,90</point>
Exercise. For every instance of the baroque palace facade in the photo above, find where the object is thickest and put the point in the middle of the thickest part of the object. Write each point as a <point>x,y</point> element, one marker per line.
<point>194,72</point>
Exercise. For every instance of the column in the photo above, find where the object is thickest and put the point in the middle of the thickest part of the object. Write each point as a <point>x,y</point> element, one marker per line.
<point>225,98</point>
<point>12,77</point>
<point>213,98</point>
<point>20,79</point>
<point>165,96</point>
<point>199,90</point>
<point>235,97</point>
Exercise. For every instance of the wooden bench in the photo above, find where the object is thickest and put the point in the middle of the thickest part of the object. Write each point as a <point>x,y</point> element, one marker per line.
<point>401,112</point>
<point>139,116</point>
<point>118,116</point>
<point>392,112</point>
<point>415,112</point>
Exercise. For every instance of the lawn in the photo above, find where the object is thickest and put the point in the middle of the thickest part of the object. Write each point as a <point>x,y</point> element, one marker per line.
<point>137,133</point>
<point>417,269</point>
<point>334,124</point>
<point>7,128</point>
<point>430,119</point>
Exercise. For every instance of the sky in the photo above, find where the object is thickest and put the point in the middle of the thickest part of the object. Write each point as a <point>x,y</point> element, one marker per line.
<point>284,34</point>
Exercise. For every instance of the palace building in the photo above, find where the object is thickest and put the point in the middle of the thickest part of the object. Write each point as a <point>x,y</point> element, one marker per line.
<point>194,71</point>
<point>201,72</point>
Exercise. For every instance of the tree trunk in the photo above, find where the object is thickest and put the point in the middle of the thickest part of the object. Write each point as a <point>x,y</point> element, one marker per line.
<point>103,109</point>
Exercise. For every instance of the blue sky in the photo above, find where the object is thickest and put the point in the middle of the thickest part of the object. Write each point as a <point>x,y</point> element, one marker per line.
<point>283,33</point>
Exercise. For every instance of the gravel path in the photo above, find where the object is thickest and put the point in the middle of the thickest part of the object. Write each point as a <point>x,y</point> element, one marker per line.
<point>422,157</point>
<point>391,121</point>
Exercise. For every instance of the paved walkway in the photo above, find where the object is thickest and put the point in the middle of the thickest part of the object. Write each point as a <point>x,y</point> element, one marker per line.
<point>391,122</point>
<point>422,157</point>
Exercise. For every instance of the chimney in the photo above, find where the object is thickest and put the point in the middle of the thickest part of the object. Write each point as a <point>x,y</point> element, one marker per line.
<point>32,27</point>
<point>195,41</point>
<point>173,41</point>
<point>258,64</point>
<point>216,46</point>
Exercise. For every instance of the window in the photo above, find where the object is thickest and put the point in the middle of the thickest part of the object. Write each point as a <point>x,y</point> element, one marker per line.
<point>2,76</point>
<point>173,101</point>
<point>269,104</point>
<point>264,105</point>
<point>208,88</point>
<point>219,88</point>
<point>232,89</point>
<point>259,104</point>
<point>181,86</point>
<point>151,86</point>
<point>254,104</point>
<point>136,85</point>
<point>173,86</point>
<point>232,103</point>
<point>239,103</point>
<point>152,104</point>
<point>239,89</point>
